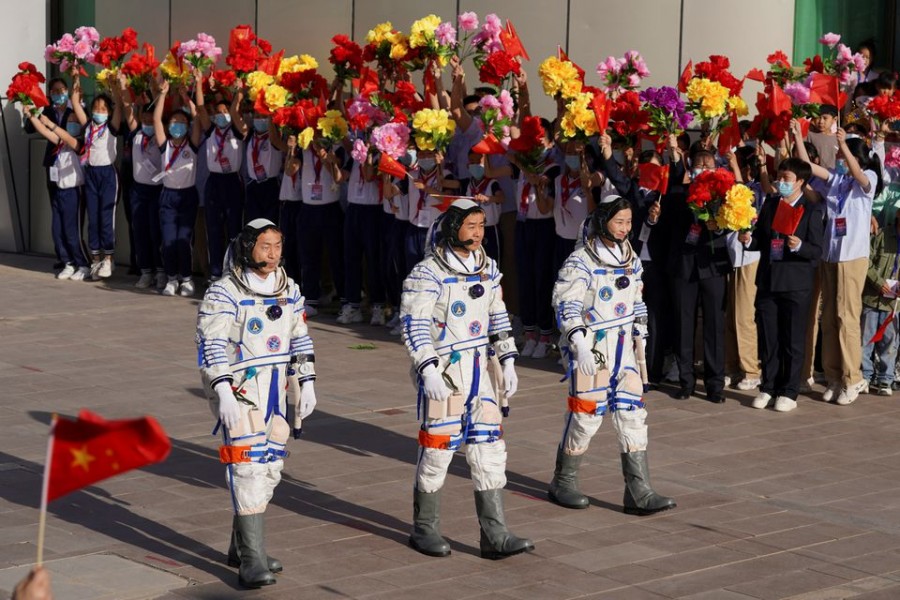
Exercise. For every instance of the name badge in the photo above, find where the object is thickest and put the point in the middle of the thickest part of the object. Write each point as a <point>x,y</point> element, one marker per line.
<point>840,227</point>
<point>644,235</point>
<point>316,191</point>
<point>260,172</point>
<point>693,235</point>
<point>776,251</point>
<point>54,174</point>
<point>225,164</point>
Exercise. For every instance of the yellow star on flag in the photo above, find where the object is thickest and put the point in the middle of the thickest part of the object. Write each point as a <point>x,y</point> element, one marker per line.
<point>82,458</point>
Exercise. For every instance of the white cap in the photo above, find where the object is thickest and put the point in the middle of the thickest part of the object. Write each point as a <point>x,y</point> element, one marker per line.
<point>610,199</point>
<point>261,223</point>
<point>464,204</point>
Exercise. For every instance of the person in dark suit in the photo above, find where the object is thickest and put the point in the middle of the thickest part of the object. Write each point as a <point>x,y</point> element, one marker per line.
<point>698,263</point>
<point>784,283</point>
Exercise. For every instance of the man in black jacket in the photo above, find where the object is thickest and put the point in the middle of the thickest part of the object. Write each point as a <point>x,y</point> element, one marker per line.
<point>784,282</point>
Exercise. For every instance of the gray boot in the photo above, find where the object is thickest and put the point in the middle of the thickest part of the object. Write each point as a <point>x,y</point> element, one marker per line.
<point>234,555</point>
<point>426,535</point>
<point>564,487</point>
<point>640,499</point>
<point>250,534</point>
<point>496,540</point>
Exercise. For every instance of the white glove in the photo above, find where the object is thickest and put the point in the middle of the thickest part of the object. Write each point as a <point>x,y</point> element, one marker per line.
<point>307,399</point>
<point>584,357</point>
<point>229,409</point>
<point>510,379</point>
<point>435,387</point>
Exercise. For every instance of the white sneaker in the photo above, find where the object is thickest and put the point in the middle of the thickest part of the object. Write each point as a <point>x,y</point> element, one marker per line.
<point>397,330</point>
<point>377,315</point>
<point>66,273</point>
<point>395,320</point>
<point>95,270</point>
<point>349,315</point>
<point>728,381</point>
<point>748,383</point>
<point>849,394</point>
<point>144,281</point>
<point>161,280</point>
<point>540,351</point>
<point>830,392</point>
<point>806,386</point>
<point>311,311</point>
<point>81,274</point>
<point>186,289</point>
<point>528,349</point>
<point>762,400</point>
<point>171,288</point>
<point>785,404</point>
<point>106,268</point>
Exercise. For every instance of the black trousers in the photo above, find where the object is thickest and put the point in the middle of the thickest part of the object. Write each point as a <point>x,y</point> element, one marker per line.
<point>710,295</point>
<point>781,326</point>
<point>660,318</point>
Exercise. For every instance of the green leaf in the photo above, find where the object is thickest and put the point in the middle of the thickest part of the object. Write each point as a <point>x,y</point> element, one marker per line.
<point>362,347</point>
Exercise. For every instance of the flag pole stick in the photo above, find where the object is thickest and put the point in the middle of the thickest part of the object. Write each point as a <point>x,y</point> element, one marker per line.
<point>45,486</point>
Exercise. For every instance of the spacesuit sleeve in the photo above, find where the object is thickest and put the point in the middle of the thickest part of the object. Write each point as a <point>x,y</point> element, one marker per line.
<point>421,290</point>
<point>499,326</point>
<point>640,308</point>
<point>303,357</point>
<point>215,318</point>
<point>568,295</point>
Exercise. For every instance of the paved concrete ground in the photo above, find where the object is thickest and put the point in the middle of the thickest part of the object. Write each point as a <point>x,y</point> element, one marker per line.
<point>800,505</point>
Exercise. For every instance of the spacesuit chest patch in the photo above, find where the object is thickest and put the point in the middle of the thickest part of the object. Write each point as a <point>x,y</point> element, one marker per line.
<point>606,293</point>
<point>273,344</point>
<point>255,325</point>
<point>475,328</point>
<point>621,309</point>
<point>458,308</point>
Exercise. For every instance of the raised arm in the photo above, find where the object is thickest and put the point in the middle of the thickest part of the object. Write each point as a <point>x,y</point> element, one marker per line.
<point>852,164</point>
<point>200,101</point>
<point>159,131</point>
<point>236,118</point>
<point>817,170</point>
<point>77,108</point>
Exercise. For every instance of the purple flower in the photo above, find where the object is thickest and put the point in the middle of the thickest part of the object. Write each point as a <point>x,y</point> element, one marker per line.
<point>360,151</point>
<point>798,93</point>
<point>468,21</point>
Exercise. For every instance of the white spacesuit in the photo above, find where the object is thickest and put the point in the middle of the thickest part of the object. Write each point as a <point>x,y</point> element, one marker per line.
<point>454,325</point>
<point>253,350</point>
<point>602,318</point>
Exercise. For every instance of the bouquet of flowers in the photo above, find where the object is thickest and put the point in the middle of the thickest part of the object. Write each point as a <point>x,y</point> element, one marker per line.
<point>139,69</point>
<point>224,79</point>
<point>346,57</point>
<point>25,88</point>
<point>560,78</point>
<point>363,115</point>
<point>708,191</point>
<point>737,212</point>
<point>246,50</point>
<point>840,63</point>
<point>667,111</point>
<point>629,118</point>
<point>299,118</point>
<point>578,121</point>
<point>770,124</point>
<point>780,70</point>
<point>623,74</point>
<point>112,50</point>
<point>388,48</point>
<point>433,129</point>
<point>391,139</point>
<point>433,39</point>
<point>528,148</point>
<point>72,52</point>
<point>256,82</point>
<point>497,68</point>
<point>333,127</point>
<point>497,114</point>
<point>202,52</point>
<point>884,107</point>
<point>172,67</point>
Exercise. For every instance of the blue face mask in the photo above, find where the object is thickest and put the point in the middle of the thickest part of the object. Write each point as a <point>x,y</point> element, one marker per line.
<point>178,129</point>
<point>840,167</point>
<point>260,125</point>
<point>426,164</point>
<point>99,118</point>
<point>147,130</point>
<point>60,98</point>
<point>785,189</point>
<point>73,129</point>
<point>476,171</point>
<point>573,161</point>
<point>696,173</point>
<point>222,120</point>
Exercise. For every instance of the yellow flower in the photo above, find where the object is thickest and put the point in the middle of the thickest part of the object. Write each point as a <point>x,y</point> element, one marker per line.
<point>170,69</point>
<point>422,31</point>
<point>711,95</point>
<point>570,88</point>
<point>379,33</point>
<point>559,76</point>
<point>305,137</point>
<point>433,128</point>
<point>297,64</point>
<point>333,126</point>
<point>578,117</point>
<point>276,97</point>
<point>258,80</point>
<point>425,142</point>
<point>399,50</point>
<point>737,212</point>
<point>737,104</point>
<point>106,77</point>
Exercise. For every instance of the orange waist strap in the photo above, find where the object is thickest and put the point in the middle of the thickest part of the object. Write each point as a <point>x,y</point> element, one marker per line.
<point>428,440</point>
<point>577,405</point>
<point>234,454</point>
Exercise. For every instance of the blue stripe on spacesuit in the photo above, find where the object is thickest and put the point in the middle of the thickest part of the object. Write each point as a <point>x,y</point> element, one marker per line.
<point>458,279</point>
<point>272,404</point>
<point>473,391</point>
<point>267,301</point>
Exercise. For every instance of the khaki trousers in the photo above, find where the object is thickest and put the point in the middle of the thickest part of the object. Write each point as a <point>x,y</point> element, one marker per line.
<point>812,326</point>
<point>741,353</point>
<point>842,288</point>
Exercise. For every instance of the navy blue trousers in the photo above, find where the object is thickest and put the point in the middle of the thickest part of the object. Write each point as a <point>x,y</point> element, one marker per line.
<point>262,200</point>
<point>393,259</point>
<point>224,212</point>
<point>177,215</point>
<point>535,246</point>
<point>291,216</point>
<point>146,235</point>
<point>321,226</point>
<point>66,206</point>
<point>101,189</point>
<point>362,240</point>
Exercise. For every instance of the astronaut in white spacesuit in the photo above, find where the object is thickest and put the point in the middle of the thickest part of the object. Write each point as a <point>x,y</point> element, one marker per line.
<point>254,350</point>
<point>602,318</point>
<point>454,325</point>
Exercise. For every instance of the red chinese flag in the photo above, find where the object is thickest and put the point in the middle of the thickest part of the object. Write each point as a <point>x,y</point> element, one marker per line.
<point>565,57</point>
<point>388,165</point>
<point>826,89</point>
<point>804,126</point>
<point>779,102</point>
<point>663,180</point>
<point>601,108</point>
<point>685,78</point>
<point>260,105</point>
<point>880,332</point>
<point>270,65</point>
<point>444,201</point>
<point>756,75</point>
<point>489,145</point>
<point>90,449</point>
<point>730,136</point>
<point>650,176</point>
<point>511,42</point>
<point>787,218</point>
<point>239,34</point>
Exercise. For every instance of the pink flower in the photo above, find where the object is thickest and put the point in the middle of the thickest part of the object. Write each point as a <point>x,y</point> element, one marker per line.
<point>608,67</point>
<point>843,54</point>
<point>391,139</point>
<point>506,138</point>
<point>859,62</point>
<point>66,43</point>
<point>492,24</point>
<point>88,33</point>
<point>445,34</point>
<point>49,53</point>
<point>83,49</point>
<point>488,102</point>
<point>506,104</point>
<point>360,151</point>
<point>830,39</point>
<point>892,159</point>
<point>634,80</point>
<point>798,93</point>
<point>468,21</point>
<point>488,39</point>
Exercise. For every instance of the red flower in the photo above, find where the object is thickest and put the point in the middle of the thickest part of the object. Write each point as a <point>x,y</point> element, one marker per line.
<point>113,49</point>
<point>716,69</point>
<point>404,97</point>
<point>885,107</point>
<point>306,84</point>
<point>779,58</point>
<point>814,64</point>
<point>141,64</point>
<point>709,186</point>
<point>298,117</point>
<point>531,136</point>
<point>224,78</point>
<point>246,50</point>
<point>497,67</point>
<point>628,117</point>
<point>346,53</point>
<point>25,87</point>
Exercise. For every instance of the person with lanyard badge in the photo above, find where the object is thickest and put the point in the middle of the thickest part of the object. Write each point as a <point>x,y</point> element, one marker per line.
<point>362,239</point>
<point>224,192</point>
<point>427,178</point>
<point>535,242</point>
<point>291,203</point>
<point>880,331</point>
<point>848,191</point>
<point>454,326</point>
<point>263,155</point>
<point>487,192</point>
<point>789,236</point>
<point>322,225</point>
<point>178,142</point>
<point>603,321</point>
<point>146,163</point>
<point>58,113</point>
<point>68,180</point>
<point>101,181</point>
<point>393,240</point>
<point>255,355</point>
